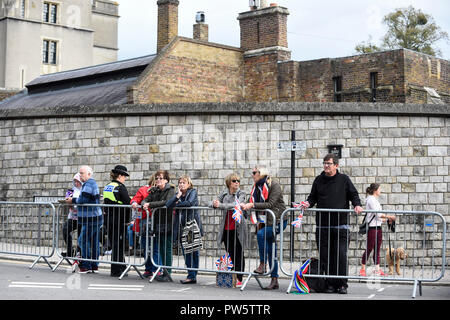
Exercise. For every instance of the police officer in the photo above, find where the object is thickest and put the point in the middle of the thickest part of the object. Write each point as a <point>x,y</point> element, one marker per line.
<point>116,193</point>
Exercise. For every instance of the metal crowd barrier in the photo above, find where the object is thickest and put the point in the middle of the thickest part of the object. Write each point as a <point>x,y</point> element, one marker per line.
<point>164,235</point>
<point>422,236</point>
<point>27,229</point>
<point>109,238</point>
<point>39,230</point>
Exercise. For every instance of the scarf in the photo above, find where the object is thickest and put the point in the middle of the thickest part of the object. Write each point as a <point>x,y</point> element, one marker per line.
<point>260,191</point>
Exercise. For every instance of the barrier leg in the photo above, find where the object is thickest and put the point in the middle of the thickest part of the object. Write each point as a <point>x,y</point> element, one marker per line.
<point>138,272</point>
<point>246,281</point>
<point>57,265</point>
<point>60,261</point>
<point>414,288</point>
<point>290,284</point>
<point>125,272</point>
<point>36,261</point>
<point>154,275</point>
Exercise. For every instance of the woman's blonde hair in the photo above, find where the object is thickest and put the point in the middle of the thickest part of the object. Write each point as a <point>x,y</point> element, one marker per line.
<point>151,181</point>
<point>230,177</point>
<point>188,180</point>
<point>264,172</point>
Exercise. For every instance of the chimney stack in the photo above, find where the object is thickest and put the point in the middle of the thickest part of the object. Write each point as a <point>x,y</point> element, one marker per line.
<point>201,29</point>
<point>263,27</point>
<point>167,22</point>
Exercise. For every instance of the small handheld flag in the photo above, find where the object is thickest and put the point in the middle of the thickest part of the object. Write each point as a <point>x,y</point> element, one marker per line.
<point>237,214</point>
<point>298,222</point>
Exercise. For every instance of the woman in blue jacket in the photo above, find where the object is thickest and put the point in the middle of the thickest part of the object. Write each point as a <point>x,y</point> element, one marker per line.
<point>187,197</point>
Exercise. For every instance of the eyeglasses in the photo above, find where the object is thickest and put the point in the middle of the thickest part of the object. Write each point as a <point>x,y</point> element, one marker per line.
<point>327,164</point>
<point>255,172</point>
<point>234,181</point>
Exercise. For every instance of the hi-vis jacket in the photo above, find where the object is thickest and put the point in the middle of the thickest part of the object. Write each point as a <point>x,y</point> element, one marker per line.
<point>116,193</point>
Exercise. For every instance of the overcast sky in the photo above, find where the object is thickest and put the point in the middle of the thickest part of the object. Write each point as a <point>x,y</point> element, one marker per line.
<point>316,29</point>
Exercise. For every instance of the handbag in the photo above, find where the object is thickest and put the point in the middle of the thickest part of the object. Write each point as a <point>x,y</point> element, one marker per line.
<point>191,239</point>
<point>364,226</point>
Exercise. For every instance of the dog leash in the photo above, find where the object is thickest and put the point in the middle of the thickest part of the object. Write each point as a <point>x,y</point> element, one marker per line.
<point>389,237</point>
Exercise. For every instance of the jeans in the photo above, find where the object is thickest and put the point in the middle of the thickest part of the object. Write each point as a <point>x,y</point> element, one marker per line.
<point>192,261</point>
<point>266,238</point>
<point>89,240</point>
<point>130,235</point>
<point>149,266</point>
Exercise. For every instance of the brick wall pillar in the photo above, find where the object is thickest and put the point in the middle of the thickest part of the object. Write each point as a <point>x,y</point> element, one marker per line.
<point>264,39</point>
<point>201,31</point>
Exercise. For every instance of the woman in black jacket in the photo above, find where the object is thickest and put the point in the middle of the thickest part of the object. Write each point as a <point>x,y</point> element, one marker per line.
<point>162,224</point>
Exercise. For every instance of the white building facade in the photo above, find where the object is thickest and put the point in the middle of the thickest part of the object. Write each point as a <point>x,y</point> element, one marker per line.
<point>45,36</point>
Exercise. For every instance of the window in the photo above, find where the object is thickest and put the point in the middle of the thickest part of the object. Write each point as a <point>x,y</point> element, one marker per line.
<point>258,32</point>
<point>373,86</point>
<point>49,52</point>
<point>50,12</point>
<point>337,83</point>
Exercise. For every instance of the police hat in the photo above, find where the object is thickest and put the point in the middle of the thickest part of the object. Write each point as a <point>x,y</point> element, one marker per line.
<point>121,170</point>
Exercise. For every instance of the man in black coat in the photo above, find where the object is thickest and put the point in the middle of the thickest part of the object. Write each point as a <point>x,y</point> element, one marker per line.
<point>333,190</point>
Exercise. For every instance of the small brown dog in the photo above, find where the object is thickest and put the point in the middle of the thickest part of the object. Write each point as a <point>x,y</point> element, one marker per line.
<point>395,257</point>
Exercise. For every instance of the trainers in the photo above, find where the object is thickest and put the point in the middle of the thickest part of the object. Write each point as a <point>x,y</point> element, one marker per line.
<point>341,290</point>
<point>147,274</point>
<point>380,273</point>
<point>94,269</point>
<point>83,270</point>
<point>362,273</point>
<point>238,284</point>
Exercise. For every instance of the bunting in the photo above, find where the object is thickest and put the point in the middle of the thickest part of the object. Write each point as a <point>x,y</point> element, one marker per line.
<point>300,281</point>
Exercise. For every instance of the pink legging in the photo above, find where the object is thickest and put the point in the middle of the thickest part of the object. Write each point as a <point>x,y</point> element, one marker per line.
<point>374,239</point>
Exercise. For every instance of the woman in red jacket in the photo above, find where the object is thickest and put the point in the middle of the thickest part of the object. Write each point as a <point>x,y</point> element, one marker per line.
<point>141,194</point>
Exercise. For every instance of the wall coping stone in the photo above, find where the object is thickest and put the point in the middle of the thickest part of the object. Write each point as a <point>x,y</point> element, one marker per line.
<point>237,108</point>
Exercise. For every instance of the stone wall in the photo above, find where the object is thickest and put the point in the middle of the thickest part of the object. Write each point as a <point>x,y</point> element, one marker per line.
<point>402,146</point>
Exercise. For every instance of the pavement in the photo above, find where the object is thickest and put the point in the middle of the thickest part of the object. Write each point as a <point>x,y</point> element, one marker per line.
<point>407,273</point>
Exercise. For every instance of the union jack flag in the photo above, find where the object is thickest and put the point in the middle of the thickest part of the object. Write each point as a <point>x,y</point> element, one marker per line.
<point>224,263</point>
<point>237,213</point>
<point>302,205</point>
<point>298,222</point>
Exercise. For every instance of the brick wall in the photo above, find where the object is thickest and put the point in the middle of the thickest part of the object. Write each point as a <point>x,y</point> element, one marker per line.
<point>189,70</point>
<point>400,74</point>
<point>264,28</point>
<point>261,75</point>
<point>426,71</point>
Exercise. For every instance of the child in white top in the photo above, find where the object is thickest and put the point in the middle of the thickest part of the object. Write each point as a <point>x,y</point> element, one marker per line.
<point>374,234</point>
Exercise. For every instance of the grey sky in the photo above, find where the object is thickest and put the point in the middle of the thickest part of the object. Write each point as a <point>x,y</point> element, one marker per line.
<point>316,29</point>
